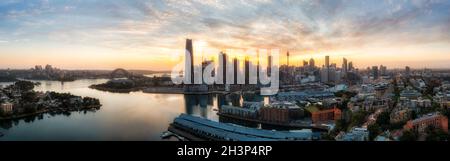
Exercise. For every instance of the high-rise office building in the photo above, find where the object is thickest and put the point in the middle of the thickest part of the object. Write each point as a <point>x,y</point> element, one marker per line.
<point>247,70</point>
<point>189,64</point>
<point>407,71</point>
<point>224,61</point>
<point>205,64</point>
<point>332,75</point>
<point>344,65</point>
<point>312,64</point>
<point>338,76</point>
<point>324,75</point>
<point>269,65</point>
<point>350,66</point>
<point>305,63</point>
<point>236,70</point>
<point>383,70</point>
<point>333,65</point>
<point>375,73</point>
<point>327,61</point>
<point>222,68</point>
<point>257,69</point>
<point>287,55</point>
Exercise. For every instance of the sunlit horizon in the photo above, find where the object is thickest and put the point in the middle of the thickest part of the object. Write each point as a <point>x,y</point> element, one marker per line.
<point>150,35</point>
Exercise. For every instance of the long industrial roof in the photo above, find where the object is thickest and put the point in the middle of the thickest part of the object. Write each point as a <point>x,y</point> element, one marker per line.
<point>236,132</point>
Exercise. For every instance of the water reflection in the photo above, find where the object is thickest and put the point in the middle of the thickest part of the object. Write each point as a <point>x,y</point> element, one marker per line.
<point>132,116</point>
<point>201,105</point>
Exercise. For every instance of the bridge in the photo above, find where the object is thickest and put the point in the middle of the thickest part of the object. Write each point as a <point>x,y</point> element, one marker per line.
<point>120,72</point>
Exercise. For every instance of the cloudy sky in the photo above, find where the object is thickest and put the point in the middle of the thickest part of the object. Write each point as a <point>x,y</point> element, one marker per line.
<point>150,34</point>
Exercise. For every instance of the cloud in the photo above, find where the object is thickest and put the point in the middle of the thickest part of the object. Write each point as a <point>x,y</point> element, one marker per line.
<point>300,26</point>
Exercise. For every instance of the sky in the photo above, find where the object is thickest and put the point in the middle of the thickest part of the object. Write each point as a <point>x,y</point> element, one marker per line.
<point>150,34</point>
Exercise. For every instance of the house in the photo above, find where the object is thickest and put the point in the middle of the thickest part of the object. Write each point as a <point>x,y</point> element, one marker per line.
<point>410,93</point>
<point>6,108</point>
<point>323,116</point>
<point>282,112</point>
<point>400,115</point>
<point>356,134</point>
<point>372,103</point>
<point>385,136</point>
<point>435,120</point>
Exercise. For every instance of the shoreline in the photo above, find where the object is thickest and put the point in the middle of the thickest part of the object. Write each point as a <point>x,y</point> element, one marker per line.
<point>170,90</point>
<point>156,90</point>
<point>106,89</point>
<point>44,111</point>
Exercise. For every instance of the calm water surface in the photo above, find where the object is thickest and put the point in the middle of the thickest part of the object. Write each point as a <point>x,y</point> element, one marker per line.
<point>133,116</point>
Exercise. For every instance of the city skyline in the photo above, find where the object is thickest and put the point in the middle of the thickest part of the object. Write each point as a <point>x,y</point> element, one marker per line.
<point>151,34</point>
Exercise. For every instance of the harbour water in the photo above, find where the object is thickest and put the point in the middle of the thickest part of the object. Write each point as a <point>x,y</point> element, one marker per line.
<point>133,116</point>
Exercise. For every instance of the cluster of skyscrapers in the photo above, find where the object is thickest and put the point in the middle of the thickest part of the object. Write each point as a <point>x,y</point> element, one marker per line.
<point>330,72</point>
<point>228,72</point>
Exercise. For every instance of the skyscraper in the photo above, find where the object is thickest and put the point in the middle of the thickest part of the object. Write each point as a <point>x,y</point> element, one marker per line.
<point>312,64</point>
<point>305,63</point>
<point>383,70</point>
<point>327,61</point>
<point>344,65</point>
<point>375,72</point>
<point>205,64</point>
<point>269,65</point>
<point>222,68</point>
<point>350,66</point>
<point>224,61</point>
<point>189,64</point>
<point>407,71</point>
<point>236,70</point>
<point>324,73</point>
<point>257,69</point>
<point>287,54</point>
<point>247,70</point>
<point>333,65</point>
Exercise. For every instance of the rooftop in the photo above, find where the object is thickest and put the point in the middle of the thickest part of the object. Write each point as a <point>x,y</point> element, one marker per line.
<point>236,132</point>
<point>426,117</point>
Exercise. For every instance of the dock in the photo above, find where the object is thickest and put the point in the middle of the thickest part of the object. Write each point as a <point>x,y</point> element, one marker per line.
<point>200,129</point>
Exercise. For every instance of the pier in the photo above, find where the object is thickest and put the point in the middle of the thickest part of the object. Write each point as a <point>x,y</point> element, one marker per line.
<point>200,129</point>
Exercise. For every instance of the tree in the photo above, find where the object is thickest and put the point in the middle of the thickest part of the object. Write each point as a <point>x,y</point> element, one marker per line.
<point>327,136</point>
<point>341,125</point>
<point>397,125</point>
<point>345,94</point>
<point>408,136</point>
<point>29,108</point>
<point>437,135</point>
<point>384,119</point>
<point>29,96</point>
<point>413,114</point>
<point>374,131</point>
<point>343,105</point>
<point>358,118</point>
<point>24,85</point>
